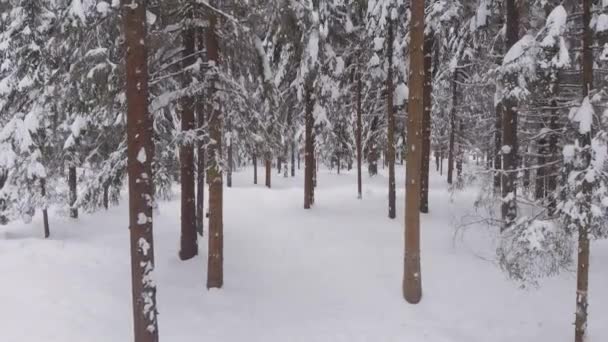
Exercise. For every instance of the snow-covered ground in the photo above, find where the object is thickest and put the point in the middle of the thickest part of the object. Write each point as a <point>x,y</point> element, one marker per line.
<point>330,274</point>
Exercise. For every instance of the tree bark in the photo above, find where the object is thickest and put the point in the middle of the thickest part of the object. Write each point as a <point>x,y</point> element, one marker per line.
<point>293,159</point>
<point>426,122</point>
<point>582,273</point>
<point>509,131</point>
<point>412,281</point>
<point>106,195</point>
<point>45,214</point>
<point>359,133</point>
<point>230,159</point>
<point>255,168</point>
<point>140,153</point>
<point>268,165</point>
<point>215,260</point>
<point>390,154</point>
<point>200,151</point>
<point>72,180</point>
<point>452,147</point>
<point>308,148</point>
<point>188,240</point>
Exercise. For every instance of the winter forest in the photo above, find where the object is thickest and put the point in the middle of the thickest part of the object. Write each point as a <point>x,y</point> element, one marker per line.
<point>304,170</point>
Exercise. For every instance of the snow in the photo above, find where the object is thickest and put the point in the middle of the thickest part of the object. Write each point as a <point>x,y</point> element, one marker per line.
<point>330,274</point>
<point>584,116</point>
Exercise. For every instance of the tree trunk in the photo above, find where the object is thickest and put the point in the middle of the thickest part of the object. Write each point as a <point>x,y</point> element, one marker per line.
<point>72,180</point>
<point>268,166</point>
<point>452,147</point>
<point>509,131</point>
<point>230,159</point>
<point>390,154</point>
<point>293,159</point>
<point>255,168</point>
<point>498,149</point>
<point>106,195</point>
<point>188,240</point>
<point>279,165</point>
<point>200,151</point>
<point>426,122</point>
<point>45,214</point>
<point>215,260</point>
<point>308,148</point>
<point>582,272</point>
<point>460,149</point>
<point>412,281</point>
<point>140,153</point>
<point>359,133</point>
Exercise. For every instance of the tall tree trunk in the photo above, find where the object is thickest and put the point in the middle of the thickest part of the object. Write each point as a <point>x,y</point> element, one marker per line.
<point>308,148</point>
<point>255,168</point>
<point>293,159</point>
<point>582,272</point>
<point>452,146</point>
<point>45,214</point>
<point>412,281</point>
<point>188,240</point>
<point>426,121</point>
<point>390,155</point>
<point>230,159</point>
<point>106,195</point>
<point>200,152</point>
<point>279,165</point>
<point>359,132</point>
<point>140,153</point>
<point>509,131</point>
<point>72,180</point>
<point>460,149</point>
<point>498,149</point>
<point>215,260</point>
<point>268,166</point>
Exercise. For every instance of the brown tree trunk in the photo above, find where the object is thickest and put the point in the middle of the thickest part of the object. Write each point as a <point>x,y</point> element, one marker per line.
<point>215,260</point>
<point>308,148</point>
<point>426,122</point>
<point>72,180</point>
<point>106,195</point>
<point>279,165</point>
<point>230,160</point>
<point>359,133</point>
<point>460,149</point>
<point>255,168</point>
<point>412,281</point>
<point>498,149</point>
<point>293,159</point>
<point>390,154</point>
<point>200,151</point>
<point>45,214</point>
<point>140,153</point>
<point>268,165</point>
<point>452,146</point>
<point>582,272</point>
<point>509,131</point>
<point>188,240</point>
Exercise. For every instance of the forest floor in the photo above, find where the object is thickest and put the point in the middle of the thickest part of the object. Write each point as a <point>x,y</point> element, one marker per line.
<point>330,274</point>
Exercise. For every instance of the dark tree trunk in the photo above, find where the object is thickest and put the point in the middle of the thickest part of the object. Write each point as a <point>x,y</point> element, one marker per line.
<point>106,195</point>
<point>45,214</point>
<point>255,168</point>
<point>338,163</point>
<point>359,133</point>
<point>200,151</point>
<point>72,180</point>
<point>188,241</point>
<point>498,149</point>
<point>390,155</point>
<point>268,166</point>
<point>460,149</point>
<point>293,159</point>
<point>412,281</point>
<point>308,148</point>
<point>509,131</point>
<point>140,153</point>
<point>279,165</point>
<point>452,146</point>
<point>426,122</point>
<point>582,272</point>
<point>230,159</point>
<point>215,260</point>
